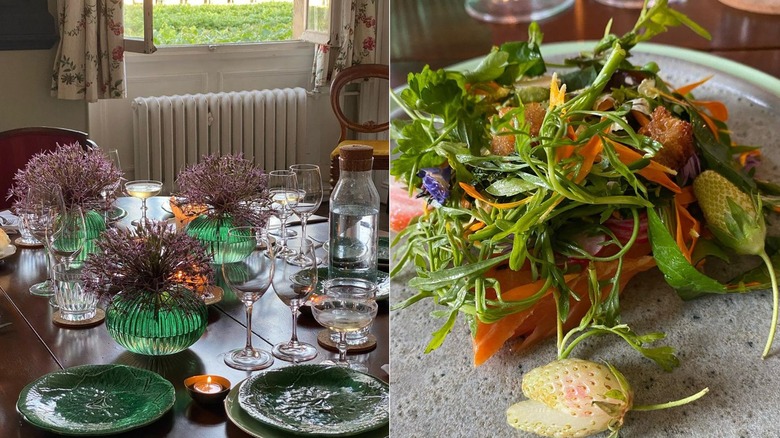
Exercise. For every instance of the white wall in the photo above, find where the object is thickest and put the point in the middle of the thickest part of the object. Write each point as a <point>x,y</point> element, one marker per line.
<point>24,91</point>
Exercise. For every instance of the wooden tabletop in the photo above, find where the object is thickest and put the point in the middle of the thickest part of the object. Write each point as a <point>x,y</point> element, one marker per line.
<point>441,33</point>
<point>33,346</point>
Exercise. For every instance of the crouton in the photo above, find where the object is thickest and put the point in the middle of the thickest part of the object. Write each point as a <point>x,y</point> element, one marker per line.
<point>676,136</point>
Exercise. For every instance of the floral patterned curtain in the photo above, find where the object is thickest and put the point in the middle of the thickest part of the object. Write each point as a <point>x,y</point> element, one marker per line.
<point>356,42</point>
<point>90,58</point>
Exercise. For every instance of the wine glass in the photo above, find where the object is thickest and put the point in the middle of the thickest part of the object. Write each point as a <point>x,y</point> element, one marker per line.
<point>283,189</point>
<point>309,183</point>
<point>293,285</point>
<point>515,11</point>
<point>143,189</point>
<point>344,312</point>
<point>249,279</point>
<point>113,155</point>
<point>42,213</point>
<point>69,233</point>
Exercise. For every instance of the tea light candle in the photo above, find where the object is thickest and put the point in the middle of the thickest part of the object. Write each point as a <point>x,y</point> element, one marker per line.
<point>207,387</point>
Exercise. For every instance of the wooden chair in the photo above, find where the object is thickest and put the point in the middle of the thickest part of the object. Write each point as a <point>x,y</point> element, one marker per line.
<point>381,147</point>
<point>17,146</point>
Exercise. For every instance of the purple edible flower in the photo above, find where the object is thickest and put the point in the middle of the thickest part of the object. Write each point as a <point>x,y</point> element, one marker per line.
<point>436,182</point>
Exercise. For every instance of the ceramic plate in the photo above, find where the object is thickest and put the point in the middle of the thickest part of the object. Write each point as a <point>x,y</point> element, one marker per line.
<point>382,282</point>
<point>259,430</point>
<point>95,400</point>
<point>7,251</point>
<point>720,336</point>
<point>316,400</point>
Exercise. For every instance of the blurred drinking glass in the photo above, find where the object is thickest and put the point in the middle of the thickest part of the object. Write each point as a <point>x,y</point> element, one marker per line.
<point>515,11</point>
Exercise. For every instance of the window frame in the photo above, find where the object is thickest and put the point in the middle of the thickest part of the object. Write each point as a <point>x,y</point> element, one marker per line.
<point>300,28</point>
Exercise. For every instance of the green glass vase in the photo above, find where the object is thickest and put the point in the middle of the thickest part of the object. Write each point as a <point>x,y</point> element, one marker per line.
<point>212,233</point>
<point>140,324</point>
<point>96,225</point>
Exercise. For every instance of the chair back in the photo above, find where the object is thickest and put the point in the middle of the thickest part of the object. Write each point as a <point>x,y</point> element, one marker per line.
<point>344,77</point>
<point>17,146</point>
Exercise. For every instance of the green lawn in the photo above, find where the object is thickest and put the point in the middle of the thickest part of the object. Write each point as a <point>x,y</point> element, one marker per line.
<point>213,24</point>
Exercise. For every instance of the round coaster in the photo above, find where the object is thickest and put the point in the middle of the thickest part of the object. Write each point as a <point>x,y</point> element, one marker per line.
<point>323,338</point>
<point>19,242</point>
<point>100,315</point>
<point>217,294</point>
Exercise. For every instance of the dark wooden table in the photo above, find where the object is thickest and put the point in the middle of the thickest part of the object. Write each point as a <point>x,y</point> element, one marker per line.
<point>33,346</point>
<point>441,33</point>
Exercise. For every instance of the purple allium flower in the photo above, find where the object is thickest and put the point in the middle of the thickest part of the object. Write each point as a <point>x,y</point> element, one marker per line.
<point>151,260</point>
<point>82,175</point>
<point>436,182</point>
<point>228,185</point>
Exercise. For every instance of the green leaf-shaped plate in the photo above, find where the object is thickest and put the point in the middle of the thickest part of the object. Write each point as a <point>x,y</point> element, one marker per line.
<point>316,400</point>
<point>95,400</point>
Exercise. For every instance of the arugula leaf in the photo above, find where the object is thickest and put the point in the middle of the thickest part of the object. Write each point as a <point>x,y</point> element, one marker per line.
<point>718,155</point>
<point>510,187</point>
<point>681,275</point>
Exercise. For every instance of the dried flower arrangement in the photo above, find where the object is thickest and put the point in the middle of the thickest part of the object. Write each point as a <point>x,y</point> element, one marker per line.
<point>228,185</point>
<point>82,174</point>
<point>152,260</point>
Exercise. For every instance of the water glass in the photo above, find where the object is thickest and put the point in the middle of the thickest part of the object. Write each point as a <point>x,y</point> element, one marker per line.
<point>74,302</point>
<point>26,238</point>
<point>344,313</point>
<point>354,288</point>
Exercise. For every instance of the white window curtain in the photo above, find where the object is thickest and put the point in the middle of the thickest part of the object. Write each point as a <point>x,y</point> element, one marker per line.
<point>356,42</point>
<point>90,58</point>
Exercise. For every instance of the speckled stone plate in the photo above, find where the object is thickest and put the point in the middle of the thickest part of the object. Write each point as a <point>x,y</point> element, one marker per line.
<point>719,336</point>
<point>316,400</point>
<point>95,400</point>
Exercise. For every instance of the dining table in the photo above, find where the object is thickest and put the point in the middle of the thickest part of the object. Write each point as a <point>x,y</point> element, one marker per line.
<point>33,346</point>
<point>717,338</point>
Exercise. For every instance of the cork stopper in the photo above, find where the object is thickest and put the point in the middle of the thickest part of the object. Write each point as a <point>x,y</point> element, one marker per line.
<point>356,158</point>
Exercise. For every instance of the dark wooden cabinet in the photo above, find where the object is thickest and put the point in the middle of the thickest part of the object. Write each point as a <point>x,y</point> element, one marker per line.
<point>26,25</point>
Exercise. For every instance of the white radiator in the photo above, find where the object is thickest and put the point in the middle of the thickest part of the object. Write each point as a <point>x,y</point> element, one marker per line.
<point>171,132</point>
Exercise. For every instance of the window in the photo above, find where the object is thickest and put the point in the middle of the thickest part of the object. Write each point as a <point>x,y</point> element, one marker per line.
<point>152,23</point>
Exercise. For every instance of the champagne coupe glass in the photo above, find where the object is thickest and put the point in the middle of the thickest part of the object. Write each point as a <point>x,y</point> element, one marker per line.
<point>113,155</point>
<point>309,199</point>
<point>284,195</point>
<point>293,285</point>
<point>249,279</point>
<point>41,224</point>
<point>344,312</point>
<point>143,189</point>
<point>515,11</point>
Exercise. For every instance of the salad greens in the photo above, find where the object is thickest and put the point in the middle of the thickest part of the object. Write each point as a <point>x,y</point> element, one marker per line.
<point>550,191</point>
